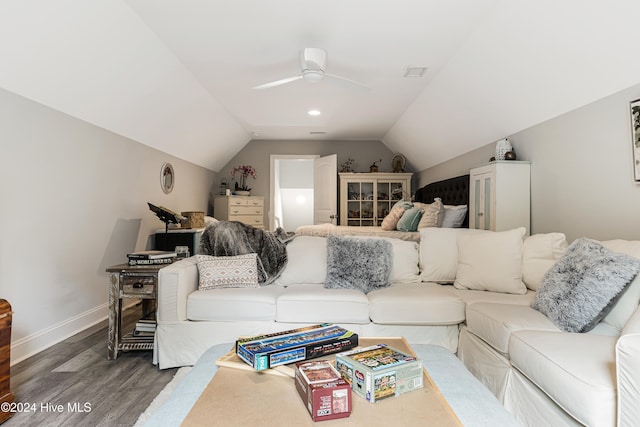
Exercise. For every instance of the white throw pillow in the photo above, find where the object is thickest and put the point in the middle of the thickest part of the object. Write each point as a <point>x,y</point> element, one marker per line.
<point>539,253</point>
<point>439,253</point>
<point>238,271</point>
<point>454,216</point>
<point>491,262</point>
<point>628,302</point>
<point>307,261</point>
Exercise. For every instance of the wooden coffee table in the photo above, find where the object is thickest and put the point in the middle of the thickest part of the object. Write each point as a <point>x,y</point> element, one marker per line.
<point>244,397</point>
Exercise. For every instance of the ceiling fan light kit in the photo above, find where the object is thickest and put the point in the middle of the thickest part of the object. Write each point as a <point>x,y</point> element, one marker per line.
<point>312,76</point>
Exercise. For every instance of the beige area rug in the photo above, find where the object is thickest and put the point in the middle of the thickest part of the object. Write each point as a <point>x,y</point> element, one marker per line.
<point>163,396</point>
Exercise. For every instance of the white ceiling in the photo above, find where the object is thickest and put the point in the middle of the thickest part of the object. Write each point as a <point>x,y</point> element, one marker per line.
<point>177,75</point>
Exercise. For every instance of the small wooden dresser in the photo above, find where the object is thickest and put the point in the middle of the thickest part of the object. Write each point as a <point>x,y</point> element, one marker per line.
<point>5,358</point>
<point>246,209</point>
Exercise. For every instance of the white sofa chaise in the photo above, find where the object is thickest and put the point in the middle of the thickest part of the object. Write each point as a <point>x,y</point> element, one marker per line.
<point>469,291</point>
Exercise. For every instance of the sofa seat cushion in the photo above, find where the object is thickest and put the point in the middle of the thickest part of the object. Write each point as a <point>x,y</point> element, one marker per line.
<point>234,304</point>
<point>415,304</point>
<point>471,297</point>
<point>494,323</point>
<point>577,371</point>
<point>311,303</point>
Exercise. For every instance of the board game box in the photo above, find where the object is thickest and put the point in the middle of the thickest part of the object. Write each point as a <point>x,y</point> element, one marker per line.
<point>324,392</point>
<point>296,345</point>
<point>379,371</point>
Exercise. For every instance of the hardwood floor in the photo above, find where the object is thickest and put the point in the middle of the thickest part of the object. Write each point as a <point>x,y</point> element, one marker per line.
<point>73,383</point>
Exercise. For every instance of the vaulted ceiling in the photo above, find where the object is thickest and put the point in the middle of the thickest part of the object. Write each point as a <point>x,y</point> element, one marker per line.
<point>178,75</point>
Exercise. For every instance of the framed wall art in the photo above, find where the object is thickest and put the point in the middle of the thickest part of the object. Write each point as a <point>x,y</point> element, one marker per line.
<point>167,178</point>
<point>635,136</point>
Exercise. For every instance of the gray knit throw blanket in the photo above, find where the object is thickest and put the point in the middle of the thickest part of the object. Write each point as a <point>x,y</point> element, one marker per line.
<point>228,238</point>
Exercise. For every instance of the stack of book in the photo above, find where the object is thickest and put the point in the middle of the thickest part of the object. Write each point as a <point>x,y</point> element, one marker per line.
<point>145,328</point>
<point>151,257</point>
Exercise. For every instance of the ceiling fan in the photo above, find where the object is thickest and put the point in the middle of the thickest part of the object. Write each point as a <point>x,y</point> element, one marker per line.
<point>313,62</point>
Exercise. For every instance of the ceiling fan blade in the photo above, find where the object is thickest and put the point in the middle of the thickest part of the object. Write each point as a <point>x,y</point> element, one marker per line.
<point>277,82</point>
<point>346,80</point>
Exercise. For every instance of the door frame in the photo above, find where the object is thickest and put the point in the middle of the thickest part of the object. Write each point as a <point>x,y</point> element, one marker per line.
<point>272,180</point>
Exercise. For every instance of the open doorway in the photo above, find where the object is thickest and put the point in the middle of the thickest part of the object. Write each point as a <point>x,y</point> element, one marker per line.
<point>303,190</point>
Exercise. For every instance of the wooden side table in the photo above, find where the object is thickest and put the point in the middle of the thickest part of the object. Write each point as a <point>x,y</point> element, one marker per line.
<point>127,281</point>
<point>6,396</point>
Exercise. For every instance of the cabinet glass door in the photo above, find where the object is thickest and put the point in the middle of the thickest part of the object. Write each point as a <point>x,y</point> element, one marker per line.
<point>360,203</point>
<point>388,193</point>
<point>482,202</point>
<point>487,203</point>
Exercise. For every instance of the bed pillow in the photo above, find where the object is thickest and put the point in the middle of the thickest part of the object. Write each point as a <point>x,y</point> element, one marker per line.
<point>307,261</point>
<point>539,253</point>
<point>433,214</point>
<point>410,219</point>
<point>454,216</point>
<point>491,262</point>
<point>582,287</point>
<point>390,221</point>
<point>357,263</point>
<point>439,253</point>
<point>238,271</point>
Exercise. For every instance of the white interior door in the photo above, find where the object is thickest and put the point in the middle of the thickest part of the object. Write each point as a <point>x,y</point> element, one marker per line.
<point>325,186</point>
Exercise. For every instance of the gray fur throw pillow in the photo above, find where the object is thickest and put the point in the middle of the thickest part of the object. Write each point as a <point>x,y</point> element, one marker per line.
<point>358,263</point>
<point>584,284</point>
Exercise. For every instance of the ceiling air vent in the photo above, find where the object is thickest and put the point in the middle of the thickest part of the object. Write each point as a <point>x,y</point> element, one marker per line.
<point>415,71</point>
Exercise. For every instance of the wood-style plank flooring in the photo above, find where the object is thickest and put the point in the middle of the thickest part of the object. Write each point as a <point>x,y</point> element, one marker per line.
<point>92,390</point>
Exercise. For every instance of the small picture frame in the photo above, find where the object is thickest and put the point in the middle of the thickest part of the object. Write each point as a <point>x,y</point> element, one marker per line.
<point>635,137</point>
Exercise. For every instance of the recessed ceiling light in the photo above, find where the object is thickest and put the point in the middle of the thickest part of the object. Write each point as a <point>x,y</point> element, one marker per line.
<point>314,112</point>
<point>317,132</point>
<point>415,71</point>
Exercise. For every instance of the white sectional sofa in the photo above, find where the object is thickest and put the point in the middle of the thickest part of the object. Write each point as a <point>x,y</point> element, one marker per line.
<point>469,291</point>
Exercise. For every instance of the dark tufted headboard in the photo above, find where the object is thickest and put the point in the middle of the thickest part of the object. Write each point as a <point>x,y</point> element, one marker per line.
<point>452,191</point>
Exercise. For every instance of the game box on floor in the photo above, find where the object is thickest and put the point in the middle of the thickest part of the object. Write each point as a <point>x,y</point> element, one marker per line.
<point>379,371</point>
<point>296,345</point>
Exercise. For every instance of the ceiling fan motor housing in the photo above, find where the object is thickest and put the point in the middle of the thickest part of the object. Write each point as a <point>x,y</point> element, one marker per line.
<point>313,59</point>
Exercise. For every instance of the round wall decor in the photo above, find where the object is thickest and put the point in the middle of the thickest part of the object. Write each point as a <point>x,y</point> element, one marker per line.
<point>167,178</point>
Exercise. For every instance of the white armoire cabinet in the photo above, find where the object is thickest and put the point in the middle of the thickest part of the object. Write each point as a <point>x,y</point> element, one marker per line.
<point>366,198</point>
<point>500,196</point>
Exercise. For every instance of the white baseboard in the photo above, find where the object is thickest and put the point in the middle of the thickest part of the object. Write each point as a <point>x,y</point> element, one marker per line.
<point>30,345</point>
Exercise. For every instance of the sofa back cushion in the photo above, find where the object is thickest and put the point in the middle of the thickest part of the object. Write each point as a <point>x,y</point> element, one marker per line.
<point>491,262</point>
<point>405,261</point>
<point>307,261</point>
<point>404,258</point>
<point>539,253</point>
<point>439,253</point>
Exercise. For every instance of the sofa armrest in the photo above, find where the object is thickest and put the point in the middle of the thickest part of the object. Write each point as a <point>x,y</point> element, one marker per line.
<point>628,372</point>
<point>175,283</point>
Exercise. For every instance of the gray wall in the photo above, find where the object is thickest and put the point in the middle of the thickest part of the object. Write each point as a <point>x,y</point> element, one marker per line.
<point>582,180</point>
<point>73,203</point>
<point>257,154</point>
